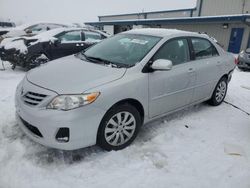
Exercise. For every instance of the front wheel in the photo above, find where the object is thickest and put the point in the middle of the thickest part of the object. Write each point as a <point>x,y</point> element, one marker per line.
<point>119,127</point>
<point>219,93</point>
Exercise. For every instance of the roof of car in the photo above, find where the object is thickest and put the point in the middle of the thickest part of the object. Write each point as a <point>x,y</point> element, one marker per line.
<point>159,32</point>
<point>45,36</point>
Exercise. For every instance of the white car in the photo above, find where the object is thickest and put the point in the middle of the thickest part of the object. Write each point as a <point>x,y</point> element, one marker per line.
<point>28,29</point>
<point>105,94</point>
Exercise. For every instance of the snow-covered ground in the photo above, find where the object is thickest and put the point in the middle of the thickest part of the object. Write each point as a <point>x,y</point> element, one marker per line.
<point>200,147</point>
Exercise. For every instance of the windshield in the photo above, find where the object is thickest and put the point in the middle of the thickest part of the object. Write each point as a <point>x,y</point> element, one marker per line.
<point>123,49</point>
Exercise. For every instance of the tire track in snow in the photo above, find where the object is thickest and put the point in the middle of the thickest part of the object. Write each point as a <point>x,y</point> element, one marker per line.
<point>247,113</point>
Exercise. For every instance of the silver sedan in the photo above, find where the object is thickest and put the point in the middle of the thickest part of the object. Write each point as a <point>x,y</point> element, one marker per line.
<point>105,94</point>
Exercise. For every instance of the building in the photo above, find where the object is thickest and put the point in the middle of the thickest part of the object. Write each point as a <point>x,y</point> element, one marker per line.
<point>226,20</point>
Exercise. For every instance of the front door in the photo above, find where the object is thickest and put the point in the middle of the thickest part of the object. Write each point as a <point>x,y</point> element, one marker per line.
<point>235,40</point>
<point>170,90</point>
<point>69,43</point>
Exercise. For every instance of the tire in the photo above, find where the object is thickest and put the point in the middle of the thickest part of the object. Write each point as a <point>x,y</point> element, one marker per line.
<point>219,93</point>
<point>115,134</point>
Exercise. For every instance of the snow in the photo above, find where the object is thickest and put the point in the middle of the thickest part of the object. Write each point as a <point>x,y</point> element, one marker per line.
<point>15,32</point>
<point>160,32</point>
<point>201,146</point>
<point>17,42</point>
<point>18,45</point>
<point>49,35</point>
<point>241,82</point>
<point>7,40</point>
<point>14,42</point>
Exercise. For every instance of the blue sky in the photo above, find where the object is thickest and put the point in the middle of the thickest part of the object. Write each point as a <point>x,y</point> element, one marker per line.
<point>81,10</point>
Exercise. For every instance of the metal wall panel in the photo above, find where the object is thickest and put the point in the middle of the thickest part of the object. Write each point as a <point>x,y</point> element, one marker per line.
<point>224,7</point>
<point>169,14</point>
<point>215,30</point>
<point>121,17</point>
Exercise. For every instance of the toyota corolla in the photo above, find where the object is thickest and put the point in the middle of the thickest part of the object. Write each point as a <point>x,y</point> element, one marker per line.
<point>104,95</point>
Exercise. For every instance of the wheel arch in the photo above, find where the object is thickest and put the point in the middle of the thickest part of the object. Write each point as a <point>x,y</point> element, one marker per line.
<point>224,76</point>
<point>130,101</point>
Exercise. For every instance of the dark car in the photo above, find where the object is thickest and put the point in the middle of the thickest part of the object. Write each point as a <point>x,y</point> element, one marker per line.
<point>244,60</point>
<point>29,52</point>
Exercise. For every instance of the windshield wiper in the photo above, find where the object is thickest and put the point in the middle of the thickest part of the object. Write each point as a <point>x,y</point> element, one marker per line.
<point>104,61</point>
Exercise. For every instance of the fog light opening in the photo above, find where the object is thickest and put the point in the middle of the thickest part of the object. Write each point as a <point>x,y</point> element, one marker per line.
<point>63,135</point>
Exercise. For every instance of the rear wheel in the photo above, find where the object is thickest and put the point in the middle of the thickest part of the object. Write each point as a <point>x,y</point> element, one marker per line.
<point>219,93</point>
<point>119,127</point>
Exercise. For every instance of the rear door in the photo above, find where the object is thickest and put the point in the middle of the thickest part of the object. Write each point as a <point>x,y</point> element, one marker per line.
<point>208,67</point>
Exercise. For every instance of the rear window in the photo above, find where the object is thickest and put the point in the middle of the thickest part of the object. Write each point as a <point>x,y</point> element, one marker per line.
<point>203,48</point>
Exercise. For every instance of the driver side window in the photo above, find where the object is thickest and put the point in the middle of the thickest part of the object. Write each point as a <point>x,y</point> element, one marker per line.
<point>70,36</point>
<point>175,50</point>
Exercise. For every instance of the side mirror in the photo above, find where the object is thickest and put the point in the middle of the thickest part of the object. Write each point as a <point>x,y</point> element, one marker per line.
<point>56,42</point>
<point>162,64</point>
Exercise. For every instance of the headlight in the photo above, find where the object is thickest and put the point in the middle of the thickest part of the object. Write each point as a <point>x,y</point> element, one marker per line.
<point>69,102</point>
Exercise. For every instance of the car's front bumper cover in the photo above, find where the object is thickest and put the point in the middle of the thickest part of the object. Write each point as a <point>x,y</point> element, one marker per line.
<point>82,122</point>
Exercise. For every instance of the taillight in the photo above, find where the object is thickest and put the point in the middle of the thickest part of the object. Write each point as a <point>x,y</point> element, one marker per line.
<point>236,61</point>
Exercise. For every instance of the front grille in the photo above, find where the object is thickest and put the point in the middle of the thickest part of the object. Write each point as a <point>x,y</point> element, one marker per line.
<point>33,99</point>
<point>31,128</point>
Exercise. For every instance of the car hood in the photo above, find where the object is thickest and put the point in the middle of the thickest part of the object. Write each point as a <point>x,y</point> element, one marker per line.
<point>71,75</point>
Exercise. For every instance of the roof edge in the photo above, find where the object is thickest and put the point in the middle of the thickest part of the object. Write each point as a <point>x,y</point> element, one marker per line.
<point>225,18</point>
<point>150,12</point>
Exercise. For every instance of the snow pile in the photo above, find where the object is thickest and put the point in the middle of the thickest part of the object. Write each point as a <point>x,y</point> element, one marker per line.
<point>18,45</point>
<point>49,35</point>
<point>201,147</point>
<point>7,40</point>
<point>240,82</point>
<point>15,32</point>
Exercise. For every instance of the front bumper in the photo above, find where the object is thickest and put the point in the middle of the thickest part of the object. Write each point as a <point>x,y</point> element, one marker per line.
<point>243,65</point>
<point>244,61</point>
<point>82,122</point>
